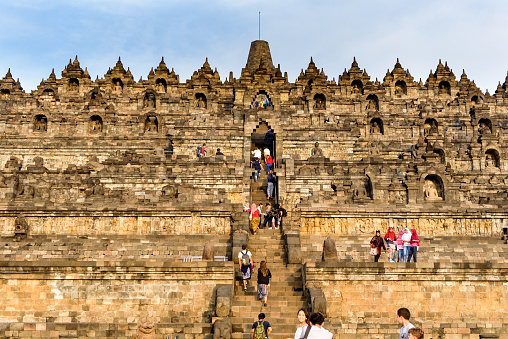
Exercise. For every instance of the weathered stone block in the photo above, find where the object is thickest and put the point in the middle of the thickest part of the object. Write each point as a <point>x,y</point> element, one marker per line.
<point>208,252</point>
<point>223,300</point>
<point>329,250</point>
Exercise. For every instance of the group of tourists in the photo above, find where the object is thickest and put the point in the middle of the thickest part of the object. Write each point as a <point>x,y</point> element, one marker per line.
<point>273,216</point>
<point>310,326</point>
<point>264,275</point>
<point>201,151</point>
<point>402,247</point>
<point>266,157</point>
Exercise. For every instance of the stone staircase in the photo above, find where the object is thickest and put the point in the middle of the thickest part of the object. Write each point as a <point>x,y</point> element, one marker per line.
<point>436,249</point>
<point>285,296</point>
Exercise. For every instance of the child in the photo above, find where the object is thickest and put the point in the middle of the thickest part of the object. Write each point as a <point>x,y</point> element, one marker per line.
<point>416,333</point>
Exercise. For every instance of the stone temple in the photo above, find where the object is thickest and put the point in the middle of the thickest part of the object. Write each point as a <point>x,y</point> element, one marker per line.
<point>112,227</point>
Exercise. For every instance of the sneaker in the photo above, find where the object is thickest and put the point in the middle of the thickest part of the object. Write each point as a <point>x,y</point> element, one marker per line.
<point>245,288</point>
<point>269,228</point>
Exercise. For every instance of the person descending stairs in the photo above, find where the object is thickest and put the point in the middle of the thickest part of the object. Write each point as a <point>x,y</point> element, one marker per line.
<point>285,294</point>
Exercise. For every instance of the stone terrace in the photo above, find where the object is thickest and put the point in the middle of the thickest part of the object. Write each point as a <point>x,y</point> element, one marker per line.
<point>455,249</point>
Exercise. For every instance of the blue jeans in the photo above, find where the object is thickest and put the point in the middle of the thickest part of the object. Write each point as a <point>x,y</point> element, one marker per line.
<point>256,174</point>
<point>268,167</point>
<point>402,258</point>
<point>412,253</point>
<point>406,253</point>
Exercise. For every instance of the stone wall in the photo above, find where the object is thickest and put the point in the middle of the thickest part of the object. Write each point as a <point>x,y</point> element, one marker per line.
<point>52,294</point>
<point>438,225</point>
<point>122,225</point>
<point>359,295</point>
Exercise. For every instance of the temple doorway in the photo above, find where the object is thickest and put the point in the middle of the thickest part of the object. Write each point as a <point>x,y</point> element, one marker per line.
<point>263,138</point>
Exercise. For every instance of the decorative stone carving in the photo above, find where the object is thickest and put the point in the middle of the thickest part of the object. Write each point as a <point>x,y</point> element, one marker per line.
<point>94,187</point>
<point>200,102</point>
<point>432,190</point>
<point>316,151</point>
<point>21,190</point>
<point>41,123</point>
<point>20,228</point>
<point>146,329</point>
<point>362,191</point>
<point>318,104</point>
<point>222,329</point>
<point>13,164</point>
<point>151,124</point>
<point>169,149</point>
<point>149,101</point>
<point>170,191</point>
<point>374,128</point>
<point>95,125</point>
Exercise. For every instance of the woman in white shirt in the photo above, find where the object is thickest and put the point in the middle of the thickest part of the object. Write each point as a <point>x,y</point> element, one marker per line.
<point>406,238</point>
<point>303,321</point>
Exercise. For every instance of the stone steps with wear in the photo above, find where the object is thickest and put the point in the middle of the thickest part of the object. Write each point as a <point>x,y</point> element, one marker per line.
<point>435,249</point>
<point>285,294</point>
<point>112,247</point>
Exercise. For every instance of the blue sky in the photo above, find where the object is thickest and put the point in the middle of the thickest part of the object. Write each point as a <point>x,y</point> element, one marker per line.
<point>40,35</point>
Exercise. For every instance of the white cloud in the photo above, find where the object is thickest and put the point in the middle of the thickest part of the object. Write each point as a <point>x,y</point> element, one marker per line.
<point>43,35</point>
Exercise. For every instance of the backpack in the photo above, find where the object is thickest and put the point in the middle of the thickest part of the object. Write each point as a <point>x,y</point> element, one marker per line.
<point>245,259</point>
<point>259,332</point>
<point>199,151</point>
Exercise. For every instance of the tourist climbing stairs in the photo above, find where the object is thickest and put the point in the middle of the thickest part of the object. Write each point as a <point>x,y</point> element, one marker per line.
<point>285,296</point>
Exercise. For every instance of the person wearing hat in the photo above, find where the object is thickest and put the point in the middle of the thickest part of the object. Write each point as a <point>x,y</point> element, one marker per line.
<point>377,242</point>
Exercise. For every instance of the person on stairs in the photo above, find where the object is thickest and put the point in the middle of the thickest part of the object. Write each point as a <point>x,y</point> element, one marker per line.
<point>264,276</point>
<point>303,320</point>
<point>267,216</point>
<point>257,168</point>
<point>406,238</point>
<point>413,249</point>
<point>261,329</point>
<point>246,265</point>
<point>377,242</point>
<point>390,243</point>
<point>281,214</point>
<point>255,216</point>
<point>269,162</point>
<point>269,185</point>
<point>400,247</point>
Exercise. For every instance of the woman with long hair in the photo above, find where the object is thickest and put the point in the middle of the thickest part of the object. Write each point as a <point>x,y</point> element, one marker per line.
<point>264,276</point>
<point>303,320</point>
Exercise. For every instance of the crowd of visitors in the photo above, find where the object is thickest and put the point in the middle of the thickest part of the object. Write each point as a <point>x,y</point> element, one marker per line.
<point>272,216</point>
<point>401,248</point>
<point>310,326</point>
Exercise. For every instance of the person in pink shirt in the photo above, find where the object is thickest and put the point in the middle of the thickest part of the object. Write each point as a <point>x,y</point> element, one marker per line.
<point>415,242</point>
<point>400,247</point>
